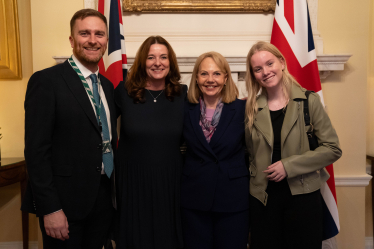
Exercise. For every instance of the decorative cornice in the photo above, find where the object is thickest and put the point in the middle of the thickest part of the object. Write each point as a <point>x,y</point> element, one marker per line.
<point>60,59</point>
<point>136,36</point>
<point>90,4</point>
<point>329,63</point>
<point>352,180</point>
<point>333,62</point>
<point>326,63</point>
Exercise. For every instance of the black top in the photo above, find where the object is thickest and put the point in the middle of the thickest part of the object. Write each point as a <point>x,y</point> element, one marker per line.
<point>150,163</point>
<point>277,118</point>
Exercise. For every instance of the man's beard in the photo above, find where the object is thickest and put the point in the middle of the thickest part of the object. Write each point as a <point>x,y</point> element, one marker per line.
<point>83,58</point>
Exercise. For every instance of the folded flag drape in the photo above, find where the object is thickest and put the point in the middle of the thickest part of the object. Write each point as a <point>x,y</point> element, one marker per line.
<point>113,65</point>
<point>292,35</point>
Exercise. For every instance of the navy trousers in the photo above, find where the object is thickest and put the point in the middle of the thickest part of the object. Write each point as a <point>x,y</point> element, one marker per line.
<point>92,232</point>
<point>215,230</point>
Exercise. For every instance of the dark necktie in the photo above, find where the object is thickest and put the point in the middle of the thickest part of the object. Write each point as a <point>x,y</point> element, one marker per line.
<point>107,157</point>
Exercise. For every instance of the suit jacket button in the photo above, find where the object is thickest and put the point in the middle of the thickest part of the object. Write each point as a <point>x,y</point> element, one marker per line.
<point>98,169</point>
<point>99,146</point>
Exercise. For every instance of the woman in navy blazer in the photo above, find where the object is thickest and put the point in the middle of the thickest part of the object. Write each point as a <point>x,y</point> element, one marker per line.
<point>215,181</point>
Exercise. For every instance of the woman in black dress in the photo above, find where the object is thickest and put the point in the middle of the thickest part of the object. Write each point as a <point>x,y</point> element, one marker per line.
<point>149,160</point>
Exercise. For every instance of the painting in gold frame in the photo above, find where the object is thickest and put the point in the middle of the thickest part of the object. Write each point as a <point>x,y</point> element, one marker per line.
<point>199,5</point>
<point>10,52</point>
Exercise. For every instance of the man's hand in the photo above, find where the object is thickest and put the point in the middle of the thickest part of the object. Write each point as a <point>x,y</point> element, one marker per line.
<point>56,225</point>
<point>276,172</point>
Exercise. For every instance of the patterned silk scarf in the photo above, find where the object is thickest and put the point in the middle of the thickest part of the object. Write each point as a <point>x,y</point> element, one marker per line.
<point>209,127</point>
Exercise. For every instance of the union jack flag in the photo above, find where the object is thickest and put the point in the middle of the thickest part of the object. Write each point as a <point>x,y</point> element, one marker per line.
<point>113,65</point>
<point>292,35</point>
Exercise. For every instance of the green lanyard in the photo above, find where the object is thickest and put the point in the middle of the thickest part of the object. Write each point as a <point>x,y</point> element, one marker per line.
<point>86,86</point>
<point>107,148</point>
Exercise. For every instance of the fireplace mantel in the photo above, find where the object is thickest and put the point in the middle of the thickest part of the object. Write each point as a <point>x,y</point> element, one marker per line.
<point>326,64</point>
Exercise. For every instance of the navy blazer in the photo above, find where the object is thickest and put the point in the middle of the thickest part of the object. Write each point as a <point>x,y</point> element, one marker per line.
<point>215,175</point>
<point>63,143</point>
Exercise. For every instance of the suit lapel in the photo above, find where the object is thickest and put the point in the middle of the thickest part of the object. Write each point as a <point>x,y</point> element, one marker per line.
<point>195,119</point>
<point>228,112</point>
<point>262,120</point>
<point>292,114</point>
<point>289,119</point>
<point>75,84</point>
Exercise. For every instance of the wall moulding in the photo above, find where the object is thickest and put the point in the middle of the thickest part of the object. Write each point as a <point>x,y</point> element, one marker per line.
<point>10,51</point>
<point>139,37</point>
<point>352,180</point>
<point>198,6</point>
<point>326,64</point>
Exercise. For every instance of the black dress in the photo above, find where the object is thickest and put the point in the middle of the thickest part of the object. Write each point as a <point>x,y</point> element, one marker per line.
<point>149,165</point>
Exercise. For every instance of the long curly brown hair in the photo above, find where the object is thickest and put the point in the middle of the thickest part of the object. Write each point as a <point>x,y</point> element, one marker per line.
<point>137,76</point>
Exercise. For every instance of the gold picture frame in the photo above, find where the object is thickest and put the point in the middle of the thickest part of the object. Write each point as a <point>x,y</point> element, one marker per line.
<point>199,5</point>
<point>10,51</point>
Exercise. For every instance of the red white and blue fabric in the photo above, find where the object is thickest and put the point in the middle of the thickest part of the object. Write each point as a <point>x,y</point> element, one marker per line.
<point>292,35</point>
<point>113,65</point>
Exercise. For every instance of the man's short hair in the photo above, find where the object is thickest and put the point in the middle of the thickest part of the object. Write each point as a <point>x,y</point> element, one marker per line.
<point>83,13</point>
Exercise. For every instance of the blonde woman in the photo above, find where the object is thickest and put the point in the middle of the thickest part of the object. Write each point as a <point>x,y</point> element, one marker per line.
<point>286,207</point>
<point>215,179</point>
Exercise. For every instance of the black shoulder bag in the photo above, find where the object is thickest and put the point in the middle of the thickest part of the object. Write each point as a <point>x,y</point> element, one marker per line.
<point>313,141</point>
<point>313,144</point>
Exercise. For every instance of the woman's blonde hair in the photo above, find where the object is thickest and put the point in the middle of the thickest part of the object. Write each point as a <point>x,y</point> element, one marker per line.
<point>229,92</point>
<point>253,87</point>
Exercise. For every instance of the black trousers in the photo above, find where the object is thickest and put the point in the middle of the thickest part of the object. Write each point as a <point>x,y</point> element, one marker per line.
<point>93,231</point>
<point>287,221</point>
<point>215,230</point>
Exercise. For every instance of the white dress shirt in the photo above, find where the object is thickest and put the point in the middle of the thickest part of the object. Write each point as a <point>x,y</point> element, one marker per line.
<point>86,74</point>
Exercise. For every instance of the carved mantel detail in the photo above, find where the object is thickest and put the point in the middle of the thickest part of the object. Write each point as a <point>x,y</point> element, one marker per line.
<point>326,64</point>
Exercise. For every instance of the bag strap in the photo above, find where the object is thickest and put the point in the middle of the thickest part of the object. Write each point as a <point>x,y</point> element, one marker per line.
<point>313,140</point>
<point>306,108</point>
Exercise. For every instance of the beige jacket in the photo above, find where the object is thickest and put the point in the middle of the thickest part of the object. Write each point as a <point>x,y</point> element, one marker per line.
<point>305,168</point>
